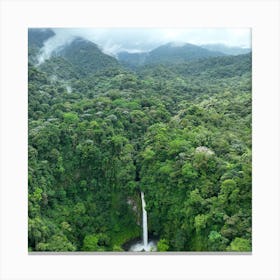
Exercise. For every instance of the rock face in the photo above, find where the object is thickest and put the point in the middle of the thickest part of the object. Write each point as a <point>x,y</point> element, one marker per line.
<point>204,150</point>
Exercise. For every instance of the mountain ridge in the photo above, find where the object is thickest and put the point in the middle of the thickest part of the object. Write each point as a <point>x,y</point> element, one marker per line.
<point>167,53</point>
<point>81,57</point>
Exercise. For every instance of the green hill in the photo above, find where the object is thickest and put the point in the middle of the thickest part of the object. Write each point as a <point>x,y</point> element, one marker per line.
<point>99,133</point>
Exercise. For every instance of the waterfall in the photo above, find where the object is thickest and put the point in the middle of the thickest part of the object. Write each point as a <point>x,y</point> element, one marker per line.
<point>144,245</point>
<point>145,224</point>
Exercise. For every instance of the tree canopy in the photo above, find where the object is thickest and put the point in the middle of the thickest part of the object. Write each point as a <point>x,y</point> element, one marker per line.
<point>181,134</point>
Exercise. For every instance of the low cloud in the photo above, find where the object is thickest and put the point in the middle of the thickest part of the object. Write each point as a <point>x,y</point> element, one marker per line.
<point>114,40</point>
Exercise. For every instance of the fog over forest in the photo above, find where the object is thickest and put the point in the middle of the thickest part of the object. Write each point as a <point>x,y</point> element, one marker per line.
<point>139,140</point>
<point>114,40</point>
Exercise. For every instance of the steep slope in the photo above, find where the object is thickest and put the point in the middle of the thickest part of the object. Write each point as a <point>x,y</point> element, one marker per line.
<point>80,58</point>
<point>86,57</point>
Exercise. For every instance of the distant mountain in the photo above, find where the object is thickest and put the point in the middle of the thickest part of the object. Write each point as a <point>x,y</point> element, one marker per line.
<point>221,67</point>
<point>171,53</point>
<point>82,58</point>
<point>79,58</point>
<point>217,67</point>
<point>226,49</point>
<point>86,56</point>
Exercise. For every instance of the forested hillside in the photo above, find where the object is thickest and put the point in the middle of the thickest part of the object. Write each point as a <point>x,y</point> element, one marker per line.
<point>171,53</point>
<point>100,132</point>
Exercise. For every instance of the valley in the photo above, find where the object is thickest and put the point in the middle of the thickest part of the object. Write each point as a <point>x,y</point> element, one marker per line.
<point>174,123</point>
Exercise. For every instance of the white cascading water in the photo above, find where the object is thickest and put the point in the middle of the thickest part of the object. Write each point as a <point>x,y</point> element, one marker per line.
<point>145,224</point>
<point>144,245</point>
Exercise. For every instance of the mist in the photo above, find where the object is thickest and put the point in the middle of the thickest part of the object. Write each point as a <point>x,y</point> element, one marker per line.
<point>115,40</point>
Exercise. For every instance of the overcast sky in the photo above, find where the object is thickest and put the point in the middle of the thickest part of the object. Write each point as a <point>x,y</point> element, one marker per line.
<point>114,40</point>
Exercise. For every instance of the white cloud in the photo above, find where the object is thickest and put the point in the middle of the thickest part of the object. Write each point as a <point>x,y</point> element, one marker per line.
<point>114,40</point>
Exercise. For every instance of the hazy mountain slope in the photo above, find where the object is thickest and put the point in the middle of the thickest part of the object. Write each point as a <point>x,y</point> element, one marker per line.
<point>132,59</point>
<point>226,49</point>
<point>170,53</point>
<point>86,57</point>
<point>78,59</point>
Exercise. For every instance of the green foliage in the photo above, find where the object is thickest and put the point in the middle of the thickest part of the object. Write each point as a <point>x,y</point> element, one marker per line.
<point>162,245</point>
<point>70,117</point>
<point>240,245</point>
<point>200,222</point>
<point>188,171</point>
<point>57,243</point>
<point>94,242</point>
<point>98,133</point>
